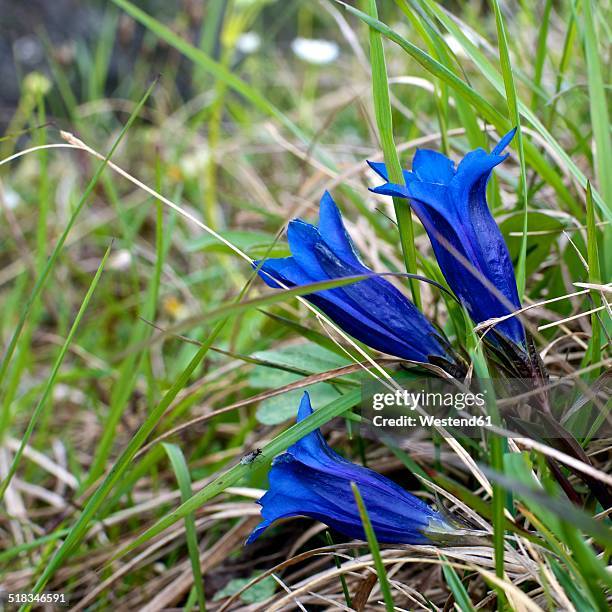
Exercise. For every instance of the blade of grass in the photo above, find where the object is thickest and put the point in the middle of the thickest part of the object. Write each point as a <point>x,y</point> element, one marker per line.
<point>496,452</point>
<point>385,587</point>
<point>181,471</point>
<point>462,599</point>
<point>345,590</point>
<point>52,376</point>
<point>594,278</point>
<point>538,66</point>
<point>42,278</point>
<point>600,118</point>
<point>598,103</point>
<point>384,121</point>
<point>513,112</point>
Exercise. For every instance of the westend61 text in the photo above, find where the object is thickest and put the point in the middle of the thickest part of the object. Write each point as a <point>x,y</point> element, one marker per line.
<point>431,421</point>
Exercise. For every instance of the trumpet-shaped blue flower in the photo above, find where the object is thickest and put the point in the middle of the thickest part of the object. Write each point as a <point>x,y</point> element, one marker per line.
<point>372,310</point>
<point>312,480</point>
<point>451,204</point>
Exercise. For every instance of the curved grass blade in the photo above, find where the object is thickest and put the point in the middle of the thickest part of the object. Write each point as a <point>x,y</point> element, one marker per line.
<point>513,111</point>
<point>53,375</point>
<point>385,588</point>
<point>384,121</point>
<point>181,471</point>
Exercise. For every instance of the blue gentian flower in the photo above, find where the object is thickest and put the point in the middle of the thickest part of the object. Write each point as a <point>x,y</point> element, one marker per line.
<point>372,310</point>
<point>312,480</point>
<point>452,206</point>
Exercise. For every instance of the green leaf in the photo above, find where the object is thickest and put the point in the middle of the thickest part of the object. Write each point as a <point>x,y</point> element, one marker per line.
<point>254,244</point>
<point>260,591</point>
<point>281,408</point>
<point>308,358</point>
<point>544,232</point>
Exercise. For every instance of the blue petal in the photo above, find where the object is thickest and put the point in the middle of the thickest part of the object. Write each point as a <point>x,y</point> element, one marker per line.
<point>379,300</point>
<point>298,490</point>
<point>504,142</point>
<point>391,189</point>
<point>433,167</point>
<point>283,269</point>
<point>380,168</point>
<point>334,233</point>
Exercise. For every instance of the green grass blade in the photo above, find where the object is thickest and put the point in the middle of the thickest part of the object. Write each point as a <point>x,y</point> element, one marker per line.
<point>42,278</point>
<point>181,471</point>
<point>52,376</point>
<point>538,66</point>
<point>345,589</point>
<point>600,119</point>
<point>385,587</point>
<point>462,599</point>
<point>384,121</point>
<point>513,111</point>
<point>598,103</point>
<point>595,278</point>
<point>496,453</point>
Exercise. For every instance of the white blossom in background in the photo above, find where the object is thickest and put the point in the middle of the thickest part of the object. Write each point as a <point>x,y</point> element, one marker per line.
<point>248,42</point>
<point>11,197</point>
<point>192,164</point>
<point>121,260</point>
<point>315,51</point>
